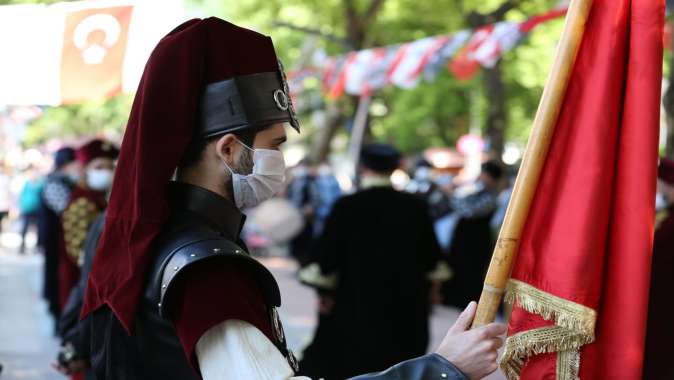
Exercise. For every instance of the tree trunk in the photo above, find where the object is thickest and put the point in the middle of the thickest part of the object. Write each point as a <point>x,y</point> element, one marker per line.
<point>356,31</point>
<point>320,144</point>
<point>497,117</point>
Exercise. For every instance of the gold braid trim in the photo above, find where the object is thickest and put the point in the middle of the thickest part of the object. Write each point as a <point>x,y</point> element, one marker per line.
<point>574,327</point>
<point>568,364</point>
<point>563,312</point>
<point>312,275</point>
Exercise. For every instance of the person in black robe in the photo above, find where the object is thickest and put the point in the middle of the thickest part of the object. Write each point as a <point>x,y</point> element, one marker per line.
<point>658,364</point>
<point>472,241</point>
<point>375,262</point>
<point>55,197</point>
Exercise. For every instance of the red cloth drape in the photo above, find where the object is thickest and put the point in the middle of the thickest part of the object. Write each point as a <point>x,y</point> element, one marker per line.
<point>589,231</point>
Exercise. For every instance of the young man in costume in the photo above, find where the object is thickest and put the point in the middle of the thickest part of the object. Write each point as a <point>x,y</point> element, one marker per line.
<point>87,200</point>
<point>170,268</point>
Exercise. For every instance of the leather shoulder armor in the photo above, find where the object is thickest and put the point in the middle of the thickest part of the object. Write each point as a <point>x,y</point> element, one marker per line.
<point>186,255</point>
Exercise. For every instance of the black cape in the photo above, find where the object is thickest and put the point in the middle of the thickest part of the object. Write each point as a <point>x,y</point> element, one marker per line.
<point>50,235</point>
<point>469,256</point>
<point>381,245</point>
<point>658,363</point>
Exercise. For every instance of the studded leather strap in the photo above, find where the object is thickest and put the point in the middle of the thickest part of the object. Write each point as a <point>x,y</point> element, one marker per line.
<point>214,249</point>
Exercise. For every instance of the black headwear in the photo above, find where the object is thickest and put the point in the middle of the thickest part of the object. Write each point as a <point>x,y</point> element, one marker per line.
<point>493,169</point>
<point>380,158</point>
<point>63,157</point>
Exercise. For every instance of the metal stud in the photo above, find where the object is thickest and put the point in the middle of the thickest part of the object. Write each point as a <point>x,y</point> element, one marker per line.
<point>443,375</point>
<point>159,304</point>
<point>216,250</point>
<point>175,269</point>
<point>193,255</point>
<point>163,286</point>
<point>237,251</point>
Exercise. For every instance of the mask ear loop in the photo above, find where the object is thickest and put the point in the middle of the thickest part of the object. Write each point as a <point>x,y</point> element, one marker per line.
<point>229,168</point>
<point>245,146</point>
<point>234,184</point>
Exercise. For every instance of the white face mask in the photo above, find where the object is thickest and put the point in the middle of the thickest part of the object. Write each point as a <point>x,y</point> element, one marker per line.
<point>660,202</point>
<point>99,179</point>
<point>263,183</point>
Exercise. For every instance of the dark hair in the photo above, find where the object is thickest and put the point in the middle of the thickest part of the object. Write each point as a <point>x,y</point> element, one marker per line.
<point>64,156</point>
<point>195,150</point>
<point>493,169</point>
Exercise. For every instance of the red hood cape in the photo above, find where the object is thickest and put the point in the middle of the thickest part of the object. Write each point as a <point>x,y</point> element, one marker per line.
<point>161,125</point>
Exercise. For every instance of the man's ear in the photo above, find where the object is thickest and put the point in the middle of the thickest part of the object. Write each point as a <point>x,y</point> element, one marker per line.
<point>224,148</point>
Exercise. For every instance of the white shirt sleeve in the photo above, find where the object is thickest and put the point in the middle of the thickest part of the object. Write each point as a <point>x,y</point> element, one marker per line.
<point>235,349</point>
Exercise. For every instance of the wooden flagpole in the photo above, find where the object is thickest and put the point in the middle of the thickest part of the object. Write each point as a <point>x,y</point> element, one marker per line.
<point>507,244</point>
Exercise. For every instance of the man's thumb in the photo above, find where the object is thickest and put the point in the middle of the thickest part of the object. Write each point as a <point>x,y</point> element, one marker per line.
<point>465,319</point>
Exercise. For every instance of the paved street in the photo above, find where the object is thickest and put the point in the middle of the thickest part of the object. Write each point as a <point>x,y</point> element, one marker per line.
<point>27,345</point>
<point>26,342</point>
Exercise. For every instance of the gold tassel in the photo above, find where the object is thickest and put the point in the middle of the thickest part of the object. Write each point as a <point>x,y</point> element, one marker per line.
<point>574,327</point>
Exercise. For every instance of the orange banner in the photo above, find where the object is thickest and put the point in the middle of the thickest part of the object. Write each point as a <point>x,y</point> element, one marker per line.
<point>93,53</point>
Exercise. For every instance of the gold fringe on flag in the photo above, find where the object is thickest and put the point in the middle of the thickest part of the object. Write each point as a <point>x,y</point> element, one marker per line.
<point>574,327</point>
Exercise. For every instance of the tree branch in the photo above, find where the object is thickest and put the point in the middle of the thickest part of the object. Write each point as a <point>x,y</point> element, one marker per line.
<point>476,19</point>
<point>372,10</point>
<point>334,38</point>
<point>350,11</point>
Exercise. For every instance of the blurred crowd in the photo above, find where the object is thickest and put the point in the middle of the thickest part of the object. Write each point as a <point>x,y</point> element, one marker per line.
<point>441,220</point>
<point>466,209</point>
<point>404,236</point>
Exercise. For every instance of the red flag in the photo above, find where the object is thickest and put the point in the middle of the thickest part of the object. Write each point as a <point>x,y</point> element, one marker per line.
<point>93,53</point>
<point>580,281</point>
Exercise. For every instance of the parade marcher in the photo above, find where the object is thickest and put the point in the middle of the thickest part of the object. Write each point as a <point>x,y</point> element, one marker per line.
<point>29,204</point>
<point>658,364</point>
<point>423,185</point>
<point>55,197</point>
<point>170,267</point>
<point>472,242</point>
<point>378,249</point>
<point>88,199</point>
<point>313,190</point>
<point>74,356</point>
<point>300,192</point>
<point>327,191</point>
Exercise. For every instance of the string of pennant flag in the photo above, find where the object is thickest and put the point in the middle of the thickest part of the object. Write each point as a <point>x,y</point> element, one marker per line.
<point>404,65</point>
